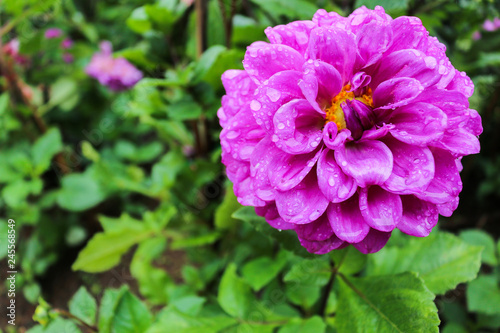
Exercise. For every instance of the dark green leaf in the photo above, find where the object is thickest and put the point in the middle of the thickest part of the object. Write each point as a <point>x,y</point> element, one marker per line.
<point>483,295</point>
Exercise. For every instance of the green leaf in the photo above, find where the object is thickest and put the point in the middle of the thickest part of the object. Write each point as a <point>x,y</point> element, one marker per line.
<point>184,110</point>
<point>379,304</point>
<point>190,305</point>
<point>179,322</point>
<point>481,238</point>
<point>79,192</point>
<point>62,90</point>
<point>107,309</point>
<point>235,296</point>
<point>441,260</point>
<point>83,306</point>
<point>105,249</point>
<point>314,324</point>
<point>139,21</point>
<point>303,295</point>
<point>145,153</point>
<point>223,214</point>
<point>314,272</point>
<point>389,5</point>
<point>259,272</point>
<point>206,61</point>
<point>454,328</point>
<point>483,295</point>
<point>45,148</point>
<point>131,315</point>
<point>350,260</point>
<point>153,281</point>
<point>290,8</point>
<point>205,239</point>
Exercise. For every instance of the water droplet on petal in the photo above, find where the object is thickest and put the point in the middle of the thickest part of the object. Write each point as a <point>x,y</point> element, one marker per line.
<point>255,105</point>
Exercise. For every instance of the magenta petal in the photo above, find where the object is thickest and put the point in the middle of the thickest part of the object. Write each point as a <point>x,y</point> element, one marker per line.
<point>321,83</point>
<point>333,182</point>
<point>302,204</point>
<point>346,220</point>
<point>418,123</point>
<point>263,60</point>
<point>397,92</point>
<point>297,127</point>
<point>286,171</point>
<point>318,230</point>
<point>419,217</point>
<point>280,89</point>
<point>461,83</point>
<point>368,162</point>
<point>413,168</point>
<point>446,183</point>
<point>459,142</point>
<point>259,162</point>
<point>324,18</point>
<point>381,210</point>
<point>335,46</point>
<point>373,242</point>
<point>270,213</point>
<point>334,140</point>
<point>322,247</point>
<point>239,91</point>
<point>373,39</point>
<point>407,63</point>
<point>295,34</point>
<point>448,208</point>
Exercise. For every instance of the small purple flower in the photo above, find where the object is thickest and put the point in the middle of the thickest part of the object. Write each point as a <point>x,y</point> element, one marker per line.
<point>116,73</point>
<point>476,35</point>
<point>53,33</point>
<point>345,128</point>
<point>68,58</point>
<point>496,23</point>
<point>488,25</point>
<point>66,44</point>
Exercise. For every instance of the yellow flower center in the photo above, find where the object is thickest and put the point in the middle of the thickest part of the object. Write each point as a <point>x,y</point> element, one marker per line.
<point>334,112</point>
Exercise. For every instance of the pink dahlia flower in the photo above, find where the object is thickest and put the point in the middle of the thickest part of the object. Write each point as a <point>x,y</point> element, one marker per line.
<point>116,73</point>
<point>53,33</point>
<point>344,128</point>
<point>488,25</point>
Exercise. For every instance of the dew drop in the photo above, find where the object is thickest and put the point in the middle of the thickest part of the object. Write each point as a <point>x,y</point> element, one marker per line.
<point>273,94</point>
<point>255,105</point>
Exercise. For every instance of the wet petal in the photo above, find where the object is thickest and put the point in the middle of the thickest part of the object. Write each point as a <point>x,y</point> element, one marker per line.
<point>368,162</point>
<point>373,242</point>
<point>322,247</point>
<point>263,60</point>
<point>346,220</point>
<point>333,182</point>
<point>446,183</point>
<point>335,46</point>
<point>295,34</point>
<point>318,230</point>
<point>373,39</point>
<point>418,123</point>
<point>413,168</point>
<point>396,92</point>
<point>259,162</point>
<point>321,83</point>
<point>381,210</point>
<point>461,83</point>
<point>302,204</point>
<point>419,217</point>
<point>286,171</point>
<point>270,213</point>
<point>334,140</point>
<point>280,89</point>
<point>239,91</point>
<point>459,142</point>
<point>297,127</point>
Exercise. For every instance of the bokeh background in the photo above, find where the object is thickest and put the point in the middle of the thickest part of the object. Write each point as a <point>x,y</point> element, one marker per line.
<point>125,221</point>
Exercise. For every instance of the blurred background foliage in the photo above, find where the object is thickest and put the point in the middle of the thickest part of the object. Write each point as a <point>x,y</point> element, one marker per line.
<point>125,221</point>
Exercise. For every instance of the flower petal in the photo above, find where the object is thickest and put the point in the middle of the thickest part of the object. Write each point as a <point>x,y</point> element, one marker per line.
<point>419,217</point>
<point>381,210</point>
<point>322,247</point>
<point>413,168</point>
<point>418,123</point>
<point>335,46</point>
<point>295,34</point>
<point>368,162</point>
<point>373,39</point>
<point>446,184</point>
<point>346,220</point>
<point>287,171</point>
<point>373,242</point>
<point>263,60</point>
<point>333,182</point>
<point>270,213</point>
<point>280,89</point>
<point>259,162</point>
<point>239,91</point>
<point>321,83</point>
<point>297,127</point>
<point>396,92</point>
<point>318,230</point>
<point>302,204</point>
<point>459,142</point>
